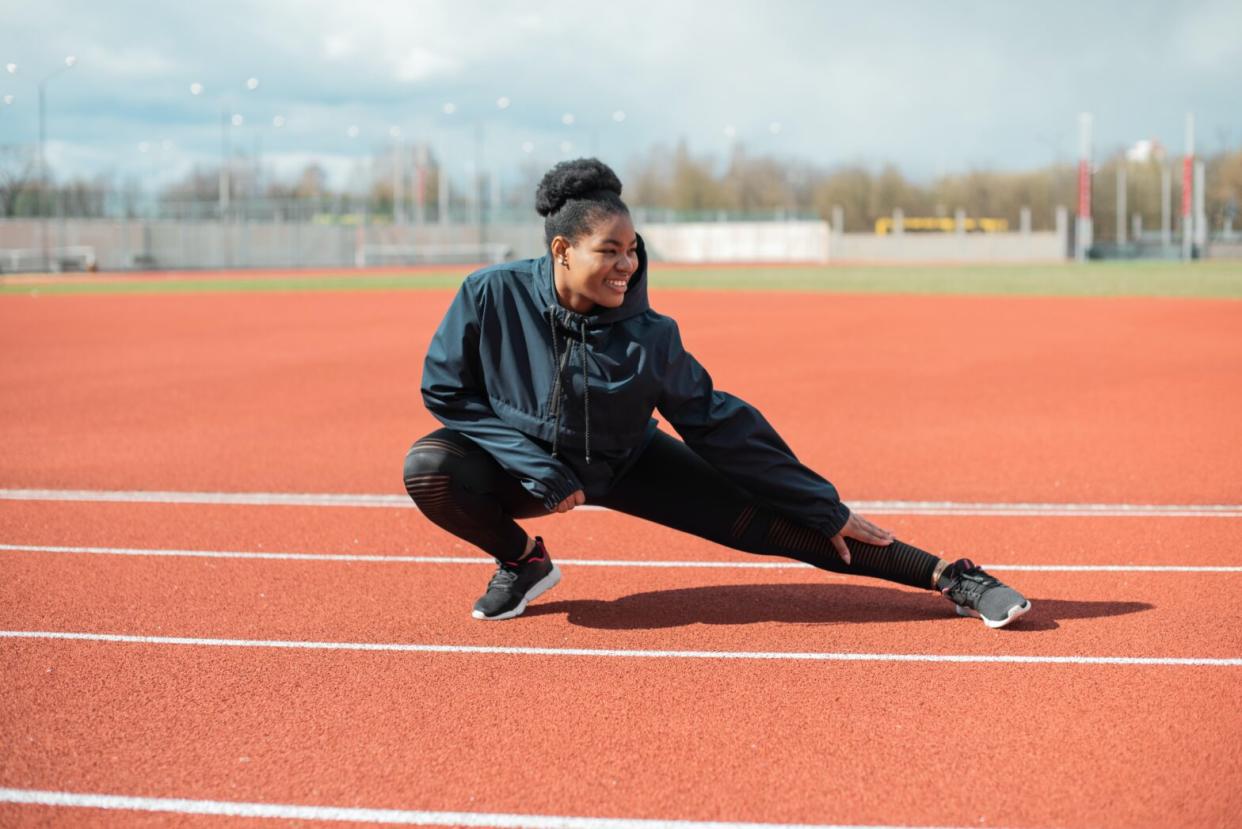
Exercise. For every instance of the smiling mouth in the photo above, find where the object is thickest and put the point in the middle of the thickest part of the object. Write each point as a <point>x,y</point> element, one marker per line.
<point>618,285</point>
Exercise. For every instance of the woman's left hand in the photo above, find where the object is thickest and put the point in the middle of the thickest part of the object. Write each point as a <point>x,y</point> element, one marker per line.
<point>860,529</point>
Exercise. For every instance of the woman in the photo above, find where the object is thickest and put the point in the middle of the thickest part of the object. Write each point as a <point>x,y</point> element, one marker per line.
<point>545,374</point>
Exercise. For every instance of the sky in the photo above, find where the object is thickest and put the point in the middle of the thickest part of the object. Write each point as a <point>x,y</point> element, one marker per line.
<point>935,88</point>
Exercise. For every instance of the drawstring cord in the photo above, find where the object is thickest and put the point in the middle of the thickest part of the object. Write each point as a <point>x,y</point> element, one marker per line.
<point>557,392</point>
<point>558,386</point>
<point>586,395</point>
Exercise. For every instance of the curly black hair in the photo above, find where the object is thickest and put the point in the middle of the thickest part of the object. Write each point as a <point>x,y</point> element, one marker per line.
<point>574,195</point>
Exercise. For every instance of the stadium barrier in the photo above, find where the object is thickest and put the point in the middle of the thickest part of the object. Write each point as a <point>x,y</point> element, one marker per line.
<point>55,259</point>
<point>187,245</point>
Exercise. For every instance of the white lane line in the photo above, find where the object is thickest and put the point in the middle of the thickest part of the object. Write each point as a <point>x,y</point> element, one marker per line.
<point>323,499</point>
<point>813,656</point>
<point>288,811</point>
<point>578,562</point>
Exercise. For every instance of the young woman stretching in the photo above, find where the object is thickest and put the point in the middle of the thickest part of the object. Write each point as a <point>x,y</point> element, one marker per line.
<point>545,374</point>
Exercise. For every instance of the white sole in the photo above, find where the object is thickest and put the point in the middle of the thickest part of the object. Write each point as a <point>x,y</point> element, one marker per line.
<point>540,587</point>
<point>1014,612</point>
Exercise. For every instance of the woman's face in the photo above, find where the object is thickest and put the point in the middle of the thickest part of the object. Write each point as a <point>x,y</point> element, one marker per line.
<point>596,269</point>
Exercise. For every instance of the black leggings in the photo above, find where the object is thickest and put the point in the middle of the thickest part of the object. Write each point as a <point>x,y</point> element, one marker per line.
<point>461,488</point>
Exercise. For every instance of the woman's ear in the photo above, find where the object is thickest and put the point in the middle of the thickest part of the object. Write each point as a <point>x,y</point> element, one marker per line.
<point>559,246</point>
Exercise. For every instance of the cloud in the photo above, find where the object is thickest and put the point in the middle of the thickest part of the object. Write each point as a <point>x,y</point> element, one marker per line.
<point>1211,37</point>
<point>932,87</point>
<point>422,64</point>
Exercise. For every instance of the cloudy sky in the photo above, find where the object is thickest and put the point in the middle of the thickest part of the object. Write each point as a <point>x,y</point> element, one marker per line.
<point>935,87</point>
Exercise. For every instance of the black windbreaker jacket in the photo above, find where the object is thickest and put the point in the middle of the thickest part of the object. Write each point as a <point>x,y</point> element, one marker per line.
<point>563,401</point>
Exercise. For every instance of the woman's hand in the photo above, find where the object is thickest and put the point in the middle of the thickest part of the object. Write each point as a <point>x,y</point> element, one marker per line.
<point>576,499</point>
<point>860,529</point>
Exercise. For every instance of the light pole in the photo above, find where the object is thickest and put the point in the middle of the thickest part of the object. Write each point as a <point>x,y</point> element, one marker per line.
<point>236,120</point>
<point>442,182</point>
<point>42,169</point>
<point>398,176</point>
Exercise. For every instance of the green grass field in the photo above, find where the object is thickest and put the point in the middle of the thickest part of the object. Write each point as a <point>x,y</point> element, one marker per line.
<point>1221,279</point>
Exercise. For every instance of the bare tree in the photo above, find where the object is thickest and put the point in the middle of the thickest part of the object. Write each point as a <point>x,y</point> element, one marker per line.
<point>17,176</point>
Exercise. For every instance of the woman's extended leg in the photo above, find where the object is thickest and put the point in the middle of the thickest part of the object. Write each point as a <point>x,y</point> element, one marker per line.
<point>673,486</point>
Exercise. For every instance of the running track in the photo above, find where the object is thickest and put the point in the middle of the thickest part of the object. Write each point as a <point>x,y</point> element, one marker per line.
<point>252,664</point>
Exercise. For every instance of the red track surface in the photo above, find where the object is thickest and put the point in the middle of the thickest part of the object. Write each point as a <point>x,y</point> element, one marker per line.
<point>1078,400</point>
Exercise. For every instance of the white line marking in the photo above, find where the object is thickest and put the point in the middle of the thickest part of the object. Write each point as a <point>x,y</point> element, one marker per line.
<point>286,811</point>
<point>321,499</point>
<point>578,562</point>
<point>606,652</point>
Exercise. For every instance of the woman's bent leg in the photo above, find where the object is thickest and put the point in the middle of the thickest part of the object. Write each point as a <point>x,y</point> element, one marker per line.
<point>673,486</point>
<point>461,488</point>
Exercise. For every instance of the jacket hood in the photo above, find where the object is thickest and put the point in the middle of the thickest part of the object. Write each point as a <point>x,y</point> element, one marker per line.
<point>634,304</point>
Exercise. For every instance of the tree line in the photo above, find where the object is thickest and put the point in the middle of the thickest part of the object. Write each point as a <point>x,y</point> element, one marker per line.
<point>676,179</point>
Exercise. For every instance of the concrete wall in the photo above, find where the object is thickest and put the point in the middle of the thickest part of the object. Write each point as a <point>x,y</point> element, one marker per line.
<point>949,247</point>
<point>738,241</point>
<point>123,245</point>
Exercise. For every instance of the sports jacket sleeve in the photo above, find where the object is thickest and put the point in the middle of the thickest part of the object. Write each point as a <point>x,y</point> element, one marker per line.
<point>454,393</point>
<point>734,437</point>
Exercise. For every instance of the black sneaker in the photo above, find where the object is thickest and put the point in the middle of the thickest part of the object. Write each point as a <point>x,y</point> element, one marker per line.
<point>977,594</point>
<point>516,583</point>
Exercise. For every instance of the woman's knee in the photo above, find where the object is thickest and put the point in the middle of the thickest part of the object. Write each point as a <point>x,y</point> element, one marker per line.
<point>429,466</point>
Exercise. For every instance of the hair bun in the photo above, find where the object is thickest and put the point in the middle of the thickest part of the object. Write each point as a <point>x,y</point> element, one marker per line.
<point>574,180</point>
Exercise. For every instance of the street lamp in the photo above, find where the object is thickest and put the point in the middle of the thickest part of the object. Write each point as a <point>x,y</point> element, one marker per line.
<point>41,160</point>
<point>236,120</point>
<point>398,176</point>
<point>442,181</point>
<point>12,68</point>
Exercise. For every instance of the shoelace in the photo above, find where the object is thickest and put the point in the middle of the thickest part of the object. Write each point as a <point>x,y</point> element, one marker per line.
<point>504,577</point>
<point>969,584</point>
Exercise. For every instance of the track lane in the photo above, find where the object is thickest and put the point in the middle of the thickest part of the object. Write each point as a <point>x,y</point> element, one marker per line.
<point>1103,614</point>
<point>598,534</point>
<point>772,742</point>
<point>1051,399</point>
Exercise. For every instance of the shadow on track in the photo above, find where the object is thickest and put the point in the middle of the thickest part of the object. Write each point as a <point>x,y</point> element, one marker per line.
<point>799,604</point>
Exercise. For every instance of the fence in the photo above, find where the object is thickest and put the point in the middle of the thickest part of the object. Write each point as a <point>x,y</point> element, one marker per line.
<point>165,244</point>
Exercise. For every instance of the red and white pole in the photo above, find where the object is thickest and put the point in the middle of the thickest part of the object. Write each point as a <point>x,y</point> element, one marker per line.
<point>1188,177</point>
<point>1083,227</point>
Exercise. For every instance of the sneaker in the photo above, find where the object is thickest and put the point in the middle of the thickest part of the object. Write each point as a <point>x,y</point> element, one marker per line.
<point>980,595</point>
<point>517,583</point>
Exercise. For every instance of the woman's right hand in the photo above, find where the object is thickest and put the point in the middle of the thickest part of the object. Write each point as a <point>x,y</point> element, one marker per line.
<point>860,529</point>
<point>576,499</point>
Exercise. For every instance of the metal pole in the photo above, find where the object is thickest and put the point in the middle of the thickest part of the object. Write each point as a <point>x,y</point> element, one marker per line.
<point>398,182</point>
<point>420,194</point>
<point>480,222</point>
<point>1166,205</point>
<point>1200,209</point>
<point>1082,235</point>
<point>43,224</point>
<point>442,191</point>
<point>494,201</point>
<point>224,161</point>
<point>1121,204</point>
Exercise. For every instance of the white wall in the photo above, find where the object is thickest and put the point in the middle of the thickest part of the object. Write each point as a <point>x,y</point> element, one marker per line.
<point>122,245</point>
<point>949,247</point>
<point>738,241</point>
